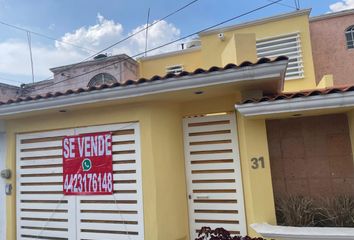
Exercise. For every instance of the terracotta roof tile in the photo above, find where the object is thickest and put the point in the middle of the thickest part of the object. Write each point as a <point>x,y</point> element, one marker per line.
<point>142,80</point>
<point>308,93</point>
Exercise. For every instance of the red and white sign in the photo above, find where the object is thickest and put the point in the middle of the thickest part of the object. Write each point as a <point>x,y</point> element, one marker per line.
<point>87,164</point>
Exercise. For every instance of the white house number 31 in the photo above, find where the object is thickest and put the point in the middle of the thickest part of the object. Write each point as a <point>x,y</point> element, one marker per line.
<point>257,162</point>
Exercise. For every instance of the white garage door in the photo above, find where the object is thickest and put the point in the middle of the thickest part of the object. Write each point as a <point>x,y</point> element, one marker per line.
<point>214,174</point>
<point>43,212</point>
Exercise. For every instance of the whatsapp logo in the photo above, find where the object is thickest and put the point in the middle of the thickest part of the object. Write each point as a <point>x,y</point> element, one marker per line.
<point>86,164</point>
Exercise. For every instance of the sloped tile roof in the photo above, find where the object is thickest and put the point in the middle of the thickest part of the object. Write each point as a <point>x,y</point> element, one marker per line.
<point>300,94</point>
<point>142,80</point>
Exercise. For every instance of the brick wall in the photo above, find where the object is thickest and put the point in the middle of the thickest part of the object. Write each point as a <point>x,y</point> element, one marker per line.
<point>329,49</point>
<point>311,156</point>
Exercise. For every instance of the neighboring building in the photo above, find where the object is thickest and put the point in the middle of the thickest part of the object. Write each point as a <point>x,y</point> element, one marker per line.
<point>102,69</point>
<point>332,37</point>
<point>8,91</point>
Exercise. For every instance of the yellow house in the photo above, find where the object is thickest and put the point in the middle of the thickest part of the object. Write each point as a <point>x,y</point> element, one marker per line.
<point>188,150</point>
<point>151,149</point>
<point>286,35</point>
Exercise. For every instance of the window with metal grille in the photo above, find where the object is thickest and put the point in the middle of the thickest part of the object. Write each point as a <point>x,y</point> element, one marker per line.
<point>102,78</point>
<point>286,45</point>
<point>175,69</point>
<point>349,35</point>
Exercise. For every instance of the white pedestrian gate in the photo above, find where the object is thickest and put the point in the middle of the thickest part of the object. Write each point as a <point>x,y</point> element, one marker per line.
<point>213,174</point>
<point>43,212</point>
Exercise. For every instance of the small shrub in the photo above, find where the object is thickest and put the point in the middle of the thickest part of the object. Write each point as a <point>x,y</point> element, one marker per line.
<point>297,211</point>
<point>338,211</point>
<point>206,233</point>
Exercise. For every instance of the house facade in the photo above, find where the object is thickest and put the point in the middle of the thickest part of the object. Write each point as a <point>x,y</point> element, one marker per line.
<point>331,38</point>
<point>282,35</point>
<point>146,118</point>
<point>208,136</point>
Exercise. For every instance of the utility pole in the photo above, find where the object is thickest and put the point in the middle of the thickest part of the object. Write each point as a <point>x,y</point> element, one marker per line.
<point>29,40</point>
<point>147,29</point>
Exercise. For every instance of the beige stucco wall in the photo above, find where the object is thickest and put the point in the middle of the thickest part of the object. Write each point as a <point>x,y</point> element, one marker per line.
<point>163,179</point>
<point>163,170</point>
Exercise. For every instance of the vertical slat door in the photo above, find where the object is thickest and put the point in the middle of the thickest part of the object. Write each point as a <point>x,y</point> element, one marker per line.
<point>117,216</point>
<point>43,212</point>
<point>213,173</point>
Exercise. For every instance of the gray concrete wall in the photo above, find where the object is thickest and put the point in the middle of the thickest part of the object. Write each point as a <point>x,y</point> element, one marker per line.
<point>8,92</point>
<point>72,77</point>
<point>79,75</point>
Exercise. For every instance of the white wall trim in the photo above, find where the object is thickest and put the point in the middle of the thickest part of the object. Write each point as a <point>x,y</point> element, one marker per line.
<point>328,101</point>
<point>303,233</point>
<point>278,36</point>
<point>257,72</point>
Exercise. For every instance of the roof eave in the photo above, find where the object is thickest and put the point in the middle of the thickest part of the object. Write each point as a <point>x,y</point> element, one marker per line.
<point>258,22</point>
<point>120,57</point>
<point>332,15</point>
<point>296,105</point>
<point>244,74</point>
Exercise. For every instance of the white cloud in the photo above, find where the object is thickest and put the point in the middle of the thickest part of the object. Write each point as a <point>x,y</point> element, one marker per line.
<point>51,26</point>
<point>342,5</point>
<point>158,34</point>
<point>107,32</point>
<point>92,37</point>
<point>16,60</point>
<point>15,56</point>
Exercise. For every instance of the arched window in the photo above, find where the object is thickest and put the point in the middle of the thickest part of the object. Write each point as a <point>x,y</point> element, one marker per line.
<point>102,78</point>
<point>349,35</point>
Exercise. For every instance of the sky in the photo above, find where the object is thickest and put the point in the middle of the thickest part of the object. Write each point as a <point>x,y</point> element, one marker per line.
<point>92,25</point>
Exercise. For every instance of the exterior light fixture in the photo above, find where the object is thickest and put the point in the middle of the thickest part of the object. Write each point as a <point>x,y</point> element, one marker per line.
<point>221,36</point>
<point>6,173</point>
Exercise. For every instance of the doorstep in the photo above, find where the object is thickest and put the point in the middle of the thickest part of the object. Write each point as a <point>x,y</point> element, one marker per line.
<point>302,233</point>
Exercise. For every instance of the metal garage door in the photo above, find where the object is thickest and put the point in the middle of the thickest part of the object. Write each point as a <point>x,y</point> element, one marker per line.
<point>43,212</point>
<point>214,174</point>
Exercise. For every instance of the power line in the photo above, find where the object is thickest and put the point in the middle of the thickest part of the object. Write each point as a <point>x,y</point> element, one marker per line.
<point>11,80</point>
<point>143,29</point>
<point>285,5</point>
<point>133,34</point>
<point>169,43</point>
<point>297,4</point>
<point>44,36</point>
